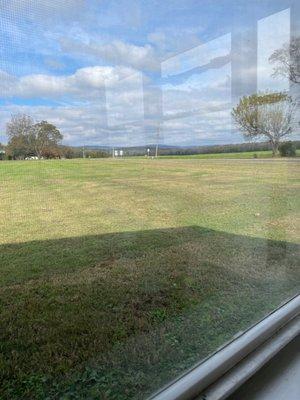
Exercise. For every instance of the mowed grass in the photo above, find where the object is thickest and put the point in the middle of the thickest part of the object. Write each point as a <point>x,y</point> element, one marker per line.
<point>245,154</point>
<point>118,275</point>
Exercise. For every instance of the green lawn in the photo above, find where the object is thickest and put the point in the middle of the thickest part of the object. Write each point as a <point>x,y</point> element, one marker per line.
<point>118,275</point>
<point>244,154</point>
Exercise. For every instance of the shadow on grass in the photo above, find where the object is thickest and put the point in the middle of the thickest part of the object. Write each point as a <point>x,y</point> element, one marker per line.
<point>115,316</point>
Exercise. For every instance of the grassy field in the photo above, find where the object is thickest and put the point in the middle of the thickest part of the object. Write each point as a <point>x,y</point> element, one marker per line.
<point>244,154</point>
<point>118,275</point>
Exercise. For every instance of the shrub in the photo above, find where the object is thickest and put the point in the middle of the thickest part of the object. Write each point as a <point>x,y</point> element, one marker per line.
<point>287,149</point>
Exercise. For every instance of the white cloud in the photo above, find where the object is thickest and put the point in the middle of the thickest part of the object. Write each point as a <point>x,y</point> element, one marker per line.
<point>82,124</point>
<point>81,107</point>
<point>125,100</point>
<point>85,115</point>
<point>201,128</point>
<point>84,84</point>
<point>116,52</point>
<point>199,93</point>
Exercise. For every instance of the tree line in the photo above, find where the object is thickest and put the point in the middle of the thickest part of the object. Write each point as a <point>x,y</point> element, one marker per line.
<point>220,148</point>
<point>28,139</point>
<point>23,146</point>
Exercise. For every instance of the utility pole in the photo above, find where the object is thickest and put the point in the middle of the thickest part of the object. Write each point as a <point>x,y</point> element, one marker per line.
<point>83,152</point>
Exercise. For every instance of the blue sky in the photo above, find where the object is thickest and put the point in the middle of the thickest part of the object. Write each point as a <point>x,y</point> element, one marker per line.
<point>112,72</point>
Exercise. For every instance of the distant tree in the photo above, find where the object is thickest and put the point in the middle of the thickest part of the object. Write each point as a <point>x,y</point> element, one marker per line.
<point>19,148</point>
<point>19,130</point>
<point>2,151</point>
<point>286,60</point>
<point>287,149</point>
<point>97,154</point>
<point>25,138</point>
<point>71,152</point>
<point>267,115</point>
<point>76,152</point>
<point>52,152</point>
<point>45,139</point>
<point>20,124</point>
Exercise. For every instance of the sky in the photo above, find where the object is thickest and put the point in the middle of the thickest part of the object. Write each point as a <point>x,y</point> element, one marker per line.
<point>134,72</point>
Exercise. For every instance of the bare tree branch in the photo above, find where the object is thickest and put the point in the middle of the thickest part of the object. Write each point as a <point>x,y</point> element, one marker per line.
<point>286,60</point>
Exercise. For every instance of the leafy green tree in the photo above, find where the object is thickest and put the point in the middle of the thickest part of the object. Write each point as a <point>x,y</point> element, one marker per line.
<point>19,147</point>
<point>45,138</point>
<point>287,149</point>
<point>265,115</point>
<point>25,138</point>
<point>97,154</point>
<point>18,131</point>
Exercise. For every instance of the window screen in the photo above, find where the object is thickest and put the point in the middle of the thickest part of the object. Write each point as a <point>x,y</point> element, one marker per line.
<point>149,187</point>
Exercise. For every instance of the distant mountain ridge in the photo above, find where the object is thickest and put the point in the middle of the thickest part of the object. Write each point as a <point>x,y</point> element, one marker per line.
<point>164,149</point>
